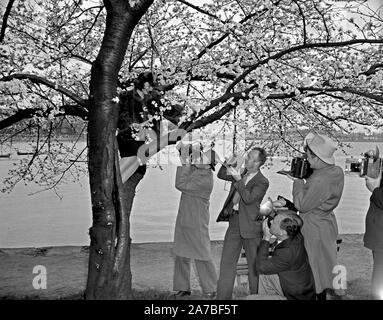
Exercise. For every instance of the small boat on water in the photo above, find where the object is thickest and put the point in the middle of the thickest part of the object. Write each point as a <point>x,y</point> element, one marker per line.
<point>5,155</point>
<point>29,152</point>
<point>24,152</point>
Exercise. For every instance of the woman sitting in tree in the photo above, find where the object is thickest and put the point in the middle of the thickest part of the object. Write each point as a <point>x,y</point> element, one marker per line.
<point>139,109</point>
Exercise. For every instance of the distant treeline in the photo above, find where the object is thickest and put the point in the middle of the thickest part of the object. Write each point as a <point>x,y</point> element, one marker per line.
<point>350,137</point>
<point>359,136</point>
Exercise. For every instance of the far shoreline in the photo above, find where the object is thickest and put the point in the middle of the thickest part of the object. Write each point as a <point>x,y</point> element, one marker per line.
<point>83,247</point>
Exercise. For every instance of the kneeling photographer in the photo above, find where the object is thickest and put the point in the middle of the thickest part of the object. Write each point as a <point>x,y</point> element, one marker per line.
<point>284,273</point>
<point>315,199</point>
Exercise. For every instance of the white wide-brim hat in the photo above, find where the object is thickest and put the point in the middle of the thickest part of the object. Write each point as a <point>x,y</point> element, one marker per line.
<point>322,146</point>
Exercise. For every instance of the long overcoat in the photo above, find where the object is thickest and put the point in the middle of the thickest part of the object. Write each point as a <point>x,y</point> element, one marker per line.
<point>373,238</point>
<point>191,235</point>
<point>315,200</point>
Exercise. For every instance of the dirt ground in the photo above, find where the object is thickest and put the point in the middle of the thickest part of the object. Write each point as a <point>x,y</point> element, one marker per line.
<point>152,269</point>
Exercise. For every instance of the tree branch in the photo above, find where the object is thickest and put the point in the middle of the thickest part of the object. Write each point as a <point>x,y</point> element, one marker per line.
<point>372,96</point>
<point>324,23</point>
<point>5,19</point>
<point>80,58</point>
<point>189,125</point>
<point>303,20</point>
<point>69,110</point>
<point>373,69</point>
<point>37,79</point>
<point>298,48</point>
<point>225,35</point>
<point>200,10</point>
<point>88,31</point>
<point>341,118</point>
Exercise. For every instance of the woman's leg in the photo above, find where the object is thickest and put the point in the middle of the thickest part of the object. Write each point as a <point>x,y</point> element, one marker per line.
<point>128,165</point>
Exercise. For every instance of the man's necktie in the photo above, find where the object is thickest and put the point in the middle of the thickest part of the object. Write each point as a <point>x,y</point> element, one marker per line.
<point>236,196</point>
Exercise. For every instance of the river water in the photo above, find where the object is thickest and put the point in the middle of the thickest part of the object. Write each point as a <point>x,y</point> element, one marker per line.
<point>43,219</point>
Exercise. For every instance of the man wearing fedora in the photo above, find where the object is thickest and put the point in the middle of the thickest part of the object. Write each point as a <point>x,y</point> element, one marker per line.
<point>315,200</point>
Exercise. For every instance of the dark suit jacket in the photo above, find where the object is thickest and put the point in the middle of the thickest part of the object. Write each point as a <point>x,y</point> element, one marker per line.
<point>373,238</point>
<point>251,197</point>
<point>290,261</point>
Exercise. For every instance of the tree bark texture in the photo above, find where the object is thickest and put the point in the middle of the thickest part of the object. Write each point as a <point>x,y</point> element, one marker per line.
<point>109,275</point>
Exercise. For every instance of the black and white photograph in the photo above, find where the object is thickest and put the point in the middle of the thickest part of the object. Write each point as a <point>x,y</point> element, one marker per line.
<point>200,155</point>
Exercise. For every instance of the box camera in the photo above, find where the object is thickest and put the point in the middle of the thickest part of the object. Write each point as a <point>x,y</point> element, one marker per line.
<point>368,165</point>
<point>300,168</point>
<point>284,205</point>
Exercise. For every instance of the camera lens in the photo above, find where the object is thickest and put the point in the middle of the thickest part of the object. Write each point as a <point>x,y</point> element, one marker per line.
<point>270,218</point>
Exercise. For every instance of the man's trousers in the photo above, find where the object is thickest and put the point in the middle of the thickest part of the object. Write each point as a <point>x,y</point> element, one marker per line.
<point>232,246</point>
<point>377,275</point>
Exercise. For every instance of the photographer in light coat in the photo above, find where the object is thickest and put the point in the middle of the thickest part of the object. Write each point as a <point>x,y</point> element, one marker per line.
<point>191,236</point>
<point>315,200</point>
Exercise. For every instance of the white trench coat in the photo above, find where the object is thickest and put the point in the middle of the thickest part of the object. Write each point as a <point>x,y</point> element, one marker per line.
<point>191,235</point>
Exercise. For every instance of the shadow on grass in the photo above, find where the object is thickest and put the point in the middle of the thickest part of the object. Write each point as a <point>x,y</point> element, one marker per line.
<point>357,289</point>
<point>150,294</point>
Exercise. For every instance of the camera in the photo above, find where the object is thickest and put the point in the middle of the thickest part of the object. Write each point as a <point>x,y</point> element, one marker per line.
<point>270,218</point>
<point>368,165</point>
<point>300,168</point>
<point>284,205</point>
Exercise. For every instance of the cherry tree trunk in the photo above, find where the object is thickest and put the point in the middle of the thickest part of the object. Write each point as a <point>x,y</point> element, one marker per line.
<point>109,274</point>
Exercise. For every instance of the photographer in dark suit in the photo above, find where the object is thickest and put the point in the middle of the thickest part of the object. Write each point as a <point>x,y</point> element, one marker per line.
<point>287,273</point>
<point>373,238</point>
<point>241,209</point>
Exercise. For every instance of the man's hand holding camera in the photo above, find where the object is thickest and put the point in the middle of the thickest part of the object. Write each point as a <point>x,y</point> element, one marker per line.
<point>235,173</point>
<point>233,167</point>
<point>266,231</point>
<point>231,162</point>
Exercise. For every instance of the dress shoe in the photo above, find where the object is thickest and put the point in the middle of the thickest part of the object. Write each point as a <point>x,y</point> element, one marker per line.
<point>211,295</point>
<point>182,294</point>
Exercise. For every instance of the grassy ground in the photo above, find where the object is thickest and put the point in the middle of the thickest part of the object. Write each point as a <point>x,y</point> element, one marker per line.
<point>152,269</point>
